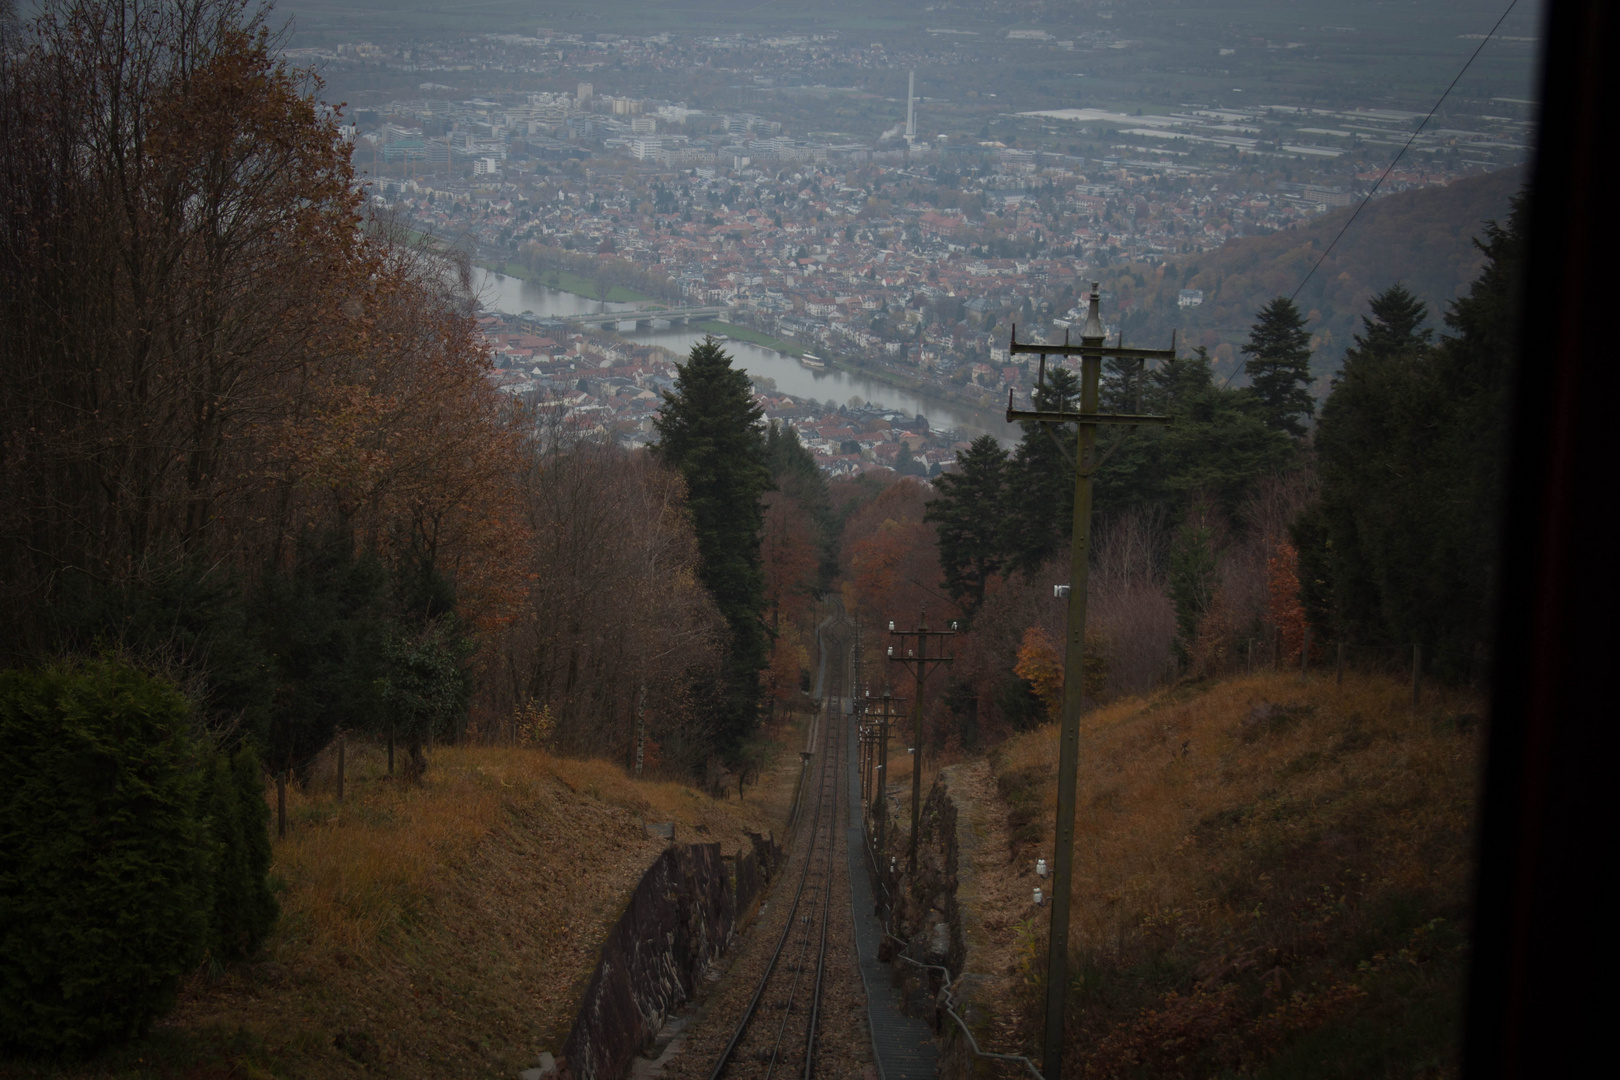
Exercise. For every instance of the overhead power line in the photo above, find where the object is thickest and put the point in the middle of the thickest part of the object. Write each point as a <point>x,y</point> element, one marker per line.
<point>1419,130</point>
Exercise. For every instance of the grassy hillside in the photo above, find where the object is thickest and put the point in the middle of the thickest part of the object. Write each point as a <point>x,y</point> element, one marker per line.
<point>1423,238</point>
<point>441,930</point>
<point>1271,879</point>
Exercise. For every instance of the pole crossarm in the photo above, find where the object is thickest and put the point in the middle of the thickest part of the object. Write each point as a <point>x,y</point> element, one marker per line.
<point>1117,352</point>
<point>1081,418</point>
<point>1105,351</point>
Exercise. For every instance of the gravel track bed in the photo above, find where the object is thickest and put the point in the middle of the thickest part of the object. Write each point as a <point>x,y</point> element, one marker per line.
<point>843,1046</point>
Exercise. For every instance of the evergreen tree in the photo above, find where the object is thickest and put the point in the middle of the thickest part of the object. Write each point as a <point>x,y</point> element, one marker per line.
<point>1395,325</point>
<point>1039,507</point>
<point>1473,376</point>
<point>425,687</point>
<point>258,909</point>
<point>192,618</point>
<point>1193,576</point>
<point>105,883</point>
<point>1123,386</point>
<point>1279,366</point>
<point>1217,445</point>
<point>322,623</point>
<point>795,473</point>
<point>906,464</point>
<point>792,468</point>
<point>1180,381</point>
<point>1412,444</point>
<point>1361,441</point>
<point>1314,547</point>
<point>709,432</point>
<point>968,512</point>
<point>244,909</point>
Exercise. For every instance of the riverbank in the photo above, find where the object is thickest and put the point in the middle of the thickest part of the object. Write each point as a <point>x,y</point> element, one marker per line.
<point>756,351</point>
<point>898,381</point>
<point>564,281</point>
<point>791,348</point>
<point>743,333</point>
<point>568,282</point>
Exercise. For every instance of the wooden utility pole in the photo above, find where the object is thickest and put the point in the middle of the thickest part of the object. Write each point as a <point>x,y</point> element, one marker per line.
<point>866,745</point>
<point>1091,351</point>
<point>915,656</point>
<point>641,733</point>
<point>1417,674</point>
<point>856,678</point>
<point>867,711</point>
<point>880,778</point>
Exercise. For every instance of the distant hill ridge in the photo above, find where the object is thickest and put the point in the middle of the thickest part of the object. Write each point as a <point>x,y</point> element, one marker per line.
<point>1423,238</point>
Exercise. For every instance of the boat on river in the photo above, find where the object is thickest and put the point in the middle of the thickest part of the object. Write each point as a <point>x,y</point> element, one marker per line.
<point>811,360</point>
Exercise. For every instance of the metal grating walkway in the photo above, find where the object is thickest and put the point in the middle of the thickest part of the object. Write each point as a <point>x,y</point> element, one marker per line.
<point>903,1045</point>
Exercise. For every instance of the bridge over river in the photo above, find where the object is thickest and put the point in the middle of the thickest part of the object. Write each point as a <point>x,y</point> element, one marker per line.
<point>643,316</point>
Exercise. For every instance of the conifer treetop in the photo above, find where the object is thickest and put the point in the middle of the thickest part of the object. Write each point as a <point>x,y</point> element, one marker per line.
<point>1279,366</point>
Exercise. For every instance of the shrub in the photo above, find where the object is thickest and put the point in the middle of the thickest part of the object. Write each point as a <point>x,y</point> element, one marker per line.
<point>239,824</point>
<point>104,859</point>
<point>425,691</point>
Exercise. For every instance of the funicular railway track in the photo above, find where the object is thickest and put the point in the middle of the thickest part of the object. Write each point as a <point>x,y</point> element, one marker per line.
<point>780,1031</point>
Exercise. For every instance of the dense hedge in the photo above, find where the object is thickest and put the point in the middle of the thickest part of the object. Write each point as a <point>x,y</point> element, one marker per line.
<point>129,849</point>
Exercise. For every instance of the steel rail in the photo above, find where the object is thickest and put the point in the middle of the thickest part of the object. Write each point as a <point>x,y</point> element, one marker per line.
<point>827,798</point>
<point>826,901</point>
<point>829,770</point>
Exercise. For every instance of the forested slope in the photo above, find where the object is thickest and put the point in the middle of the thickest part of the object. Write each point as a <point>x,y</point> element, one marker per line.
<point>1421,238</point>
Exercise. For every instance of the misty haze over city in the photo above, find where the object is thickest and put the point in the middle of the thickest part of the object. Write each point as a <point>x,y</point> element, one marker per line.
<point>688,539</point>
<point>770,162</point>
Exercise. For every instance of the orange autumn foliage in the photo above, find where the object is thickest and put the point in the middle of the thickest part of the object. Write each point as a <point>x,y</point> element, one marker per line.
<point>1040,665</point>
<point>790,561</point>
<point>788,557</point>
<point>404,436</point>
<point>788,660</point>
<point>892,557</point>
<point>1283,607</point>
<point>1215,649</point>
<point>254,358</point>
<point>616,627</point>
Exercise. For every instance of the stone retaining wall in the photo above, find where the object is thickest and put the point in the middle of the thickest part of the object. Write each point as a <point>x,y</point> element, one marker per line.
<point>925,914</point>
<point>680,919</point>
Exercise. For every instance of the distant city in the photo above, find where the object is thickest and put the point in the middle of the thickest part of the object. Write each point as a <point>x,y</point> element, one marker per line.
<point>904,246</point>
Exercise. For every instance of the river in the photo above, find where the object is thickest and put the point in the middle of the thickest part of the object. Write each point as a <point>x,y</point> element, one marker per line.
<point>515,296</point>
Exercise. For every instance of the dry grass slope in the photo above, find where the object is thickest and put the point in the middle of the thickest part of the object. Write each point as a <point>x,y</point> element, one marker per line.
<point>1271,878</point>
<point>440,930</point>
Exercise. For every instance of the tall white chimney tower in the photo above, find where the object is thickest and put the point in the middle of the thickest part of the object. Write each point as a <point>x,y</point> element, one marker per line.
<point>911,108</point>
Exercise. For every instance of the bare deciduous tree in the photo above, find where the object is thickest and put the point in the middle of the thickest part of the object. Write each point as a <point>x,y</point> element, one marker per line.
<point>617,636</point>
